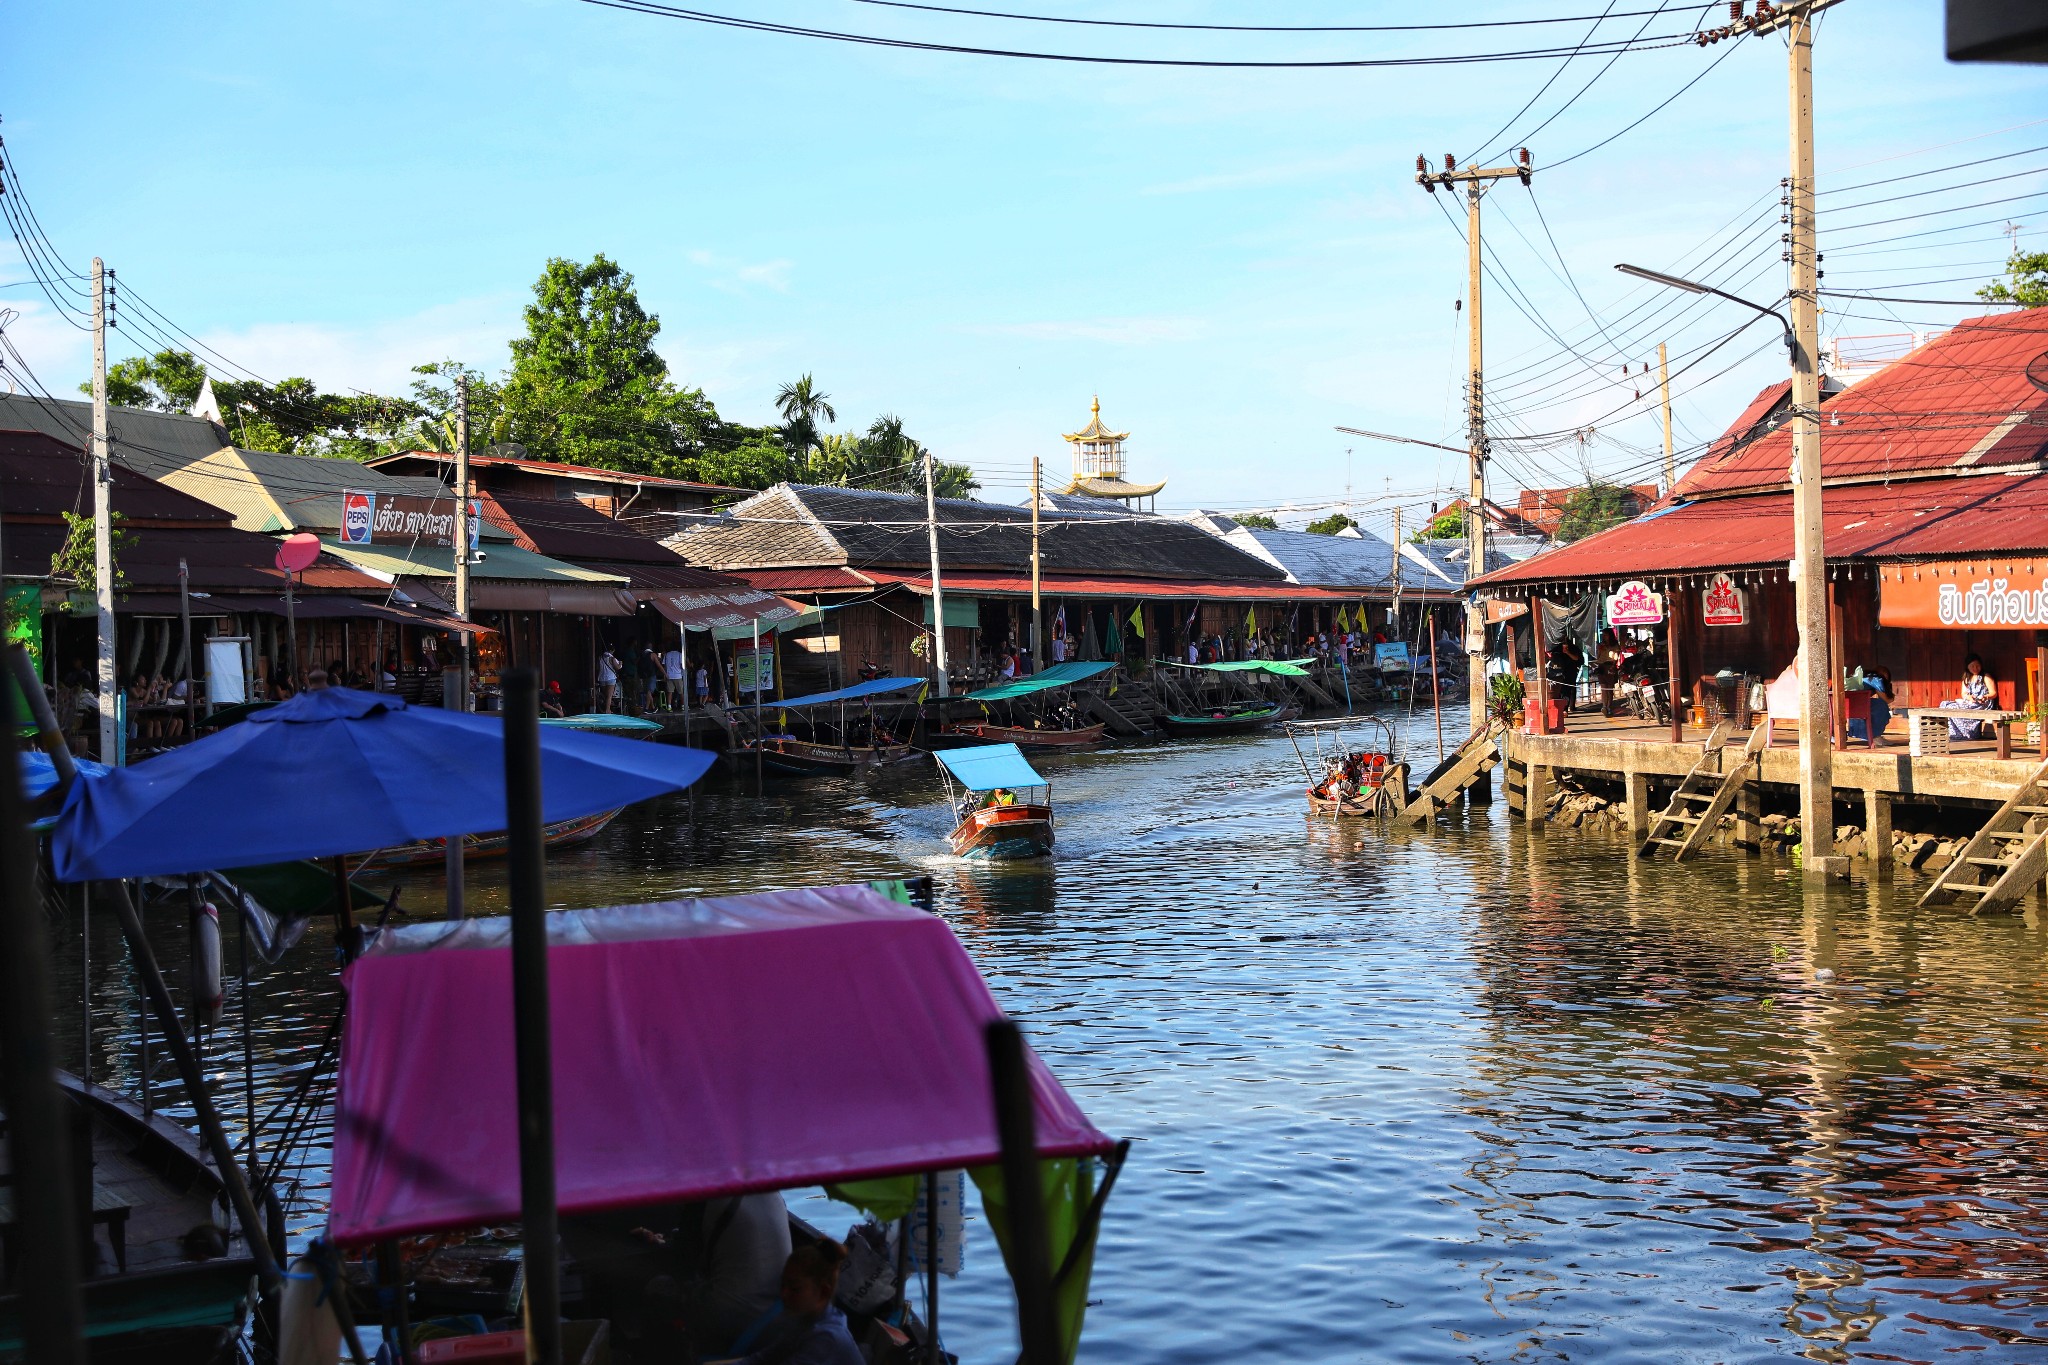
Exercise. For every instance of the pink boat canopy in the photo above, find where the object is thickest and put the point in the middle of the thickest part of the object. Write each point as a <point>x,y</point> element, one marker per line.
<point>701,1048</point>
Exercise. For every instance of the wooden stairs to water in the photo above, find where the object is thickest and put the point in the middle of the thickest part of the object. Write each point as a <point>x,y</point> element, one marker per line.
<point>2006,858</point>
<point>1704,796</point>
<point>1479,755</point>
<point>1132,712</point>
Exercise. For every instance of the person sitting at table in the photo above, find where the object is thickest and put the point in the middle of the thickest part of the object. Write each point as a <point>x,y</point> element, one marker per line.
<point>551,700</point>
<point>1979,693</point>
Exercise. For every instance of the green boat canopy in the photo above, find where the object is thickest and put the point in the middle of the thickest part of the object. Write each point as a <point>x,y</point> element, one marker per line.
<point>1059,675</point>
<point>1279,668</point>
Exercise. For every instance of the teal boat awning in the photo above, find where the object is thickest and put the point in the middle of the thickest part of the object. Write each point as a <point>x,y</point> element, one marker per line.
<point>1059,675</point>
<point>854,693</point>
<point>604,723</point>
<point>986,767</point>
<point>1279,668</point>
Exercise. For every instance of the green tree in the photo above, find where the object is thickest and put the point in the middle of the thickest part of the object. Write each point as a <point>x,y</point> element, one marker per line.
<point>292,415</point>
<point>1593,508</point>
<point>586,386</point>
<point>759,460</point>
<point>1443,526</point>
<point>1258,521</point>
<point>2025,283</point>
<point>76,558</point>
<point>802,404</point>
<point>1330,525</point>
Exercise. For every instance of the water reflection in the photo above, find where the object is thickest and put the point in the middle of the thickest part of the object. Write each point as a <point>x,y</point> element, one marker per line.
<point>1464,1095</point>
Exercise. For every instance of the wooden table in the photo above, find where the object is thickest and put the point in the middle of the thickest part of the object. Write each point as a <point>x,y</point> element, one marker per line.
<point>1927,728</point>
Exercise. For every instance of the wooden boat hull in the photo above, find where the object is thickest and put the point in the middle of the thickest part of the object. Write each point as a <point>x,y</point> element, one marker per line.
<point>801,758</point>
<point>1004,833</point>
<point>165,1307</point>
<point>1367,805</point>
<point>561,834</point>
<point>1026,738</point>
<point>1228,723</point>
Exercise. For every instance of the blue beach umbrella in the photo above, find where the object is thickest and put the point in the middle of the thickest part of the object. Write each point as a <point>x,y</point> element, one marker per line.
<point>334,772</point>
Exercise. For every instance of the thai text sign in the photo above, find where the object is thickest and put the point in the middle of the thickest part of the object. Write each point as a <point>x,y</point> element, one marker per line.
<point>1984,594</point>
<point>1723,604</point>
<point>403,519</point>
<point>753,669</point>
<point>1633,604</point>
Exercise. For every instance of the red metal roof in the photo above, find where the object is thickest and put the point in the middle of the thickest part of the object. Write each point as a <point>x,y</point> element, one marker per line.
<point>1920,519</point>
<point>1960,401</point>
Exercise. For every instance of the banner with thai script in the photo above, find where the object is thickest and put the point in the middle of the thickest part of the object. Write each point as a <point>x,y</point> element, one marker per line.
<point>403,519</point>
<point>1972,594</point>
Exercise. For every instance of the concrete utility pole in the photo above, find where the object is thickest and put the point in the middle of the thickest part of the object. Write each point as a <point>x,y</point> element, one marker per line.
<point>1809,562</point>
<point>1398,633</point>
<point>103,518</point>
<point>1475,180</point>
<point>931,512</point>
<point>1037,628</point>
<point>1664,395</point>
<point>462,524</point>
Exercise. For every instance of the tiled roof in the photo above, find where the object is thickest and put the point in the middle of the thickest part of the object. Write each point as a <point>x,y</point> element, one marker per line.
<point>792,526</point>
<point>1961,401</point>
<point>565,529</point>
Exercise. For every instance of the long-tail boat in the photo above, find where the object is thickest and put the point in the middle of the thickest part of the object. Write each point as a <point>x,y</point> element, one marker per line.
<point>1351,767</point>
<point>1022,699</point>
<point>795,757</point>
<point>1003,805</point>
<point>1232,718</point>
<point>170,1282</point>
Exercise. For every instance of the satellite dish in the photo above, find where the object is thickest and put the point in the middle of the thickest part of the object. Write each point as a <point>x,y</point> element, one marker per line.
<point>2037,372</point>
<point>298,552</point>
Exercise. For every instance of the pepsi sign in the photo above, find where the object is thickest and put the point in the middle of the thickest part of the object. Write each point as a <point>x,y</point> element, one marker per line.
<point>358,512</point>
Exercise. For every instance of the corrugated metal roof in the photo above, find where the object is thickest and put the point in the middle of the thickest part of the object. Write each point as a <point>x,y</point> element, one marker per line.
<point>570,471</point>
<point>140,438</point>
<point>1962,400</point>
<point>271,491</point>
<point>1362,562</point>
<point>504,560</point>
<point>976,582</point>
<point>799,525</point>
<point>1919,519</point>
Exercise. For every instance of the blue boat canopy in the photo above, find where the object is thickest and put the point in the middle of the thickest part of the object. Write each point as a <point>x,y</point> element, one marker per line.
<point>866,689</point>
<point>985,767</point>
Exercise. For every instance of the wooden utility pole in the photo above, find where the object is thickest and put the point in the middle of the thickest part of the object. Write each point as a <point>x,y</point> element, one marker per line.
<point>1664,398</point>
<point>103,520</point>
<point>1475,180</point>
<point>931,512</point>
<point>1037,629</point>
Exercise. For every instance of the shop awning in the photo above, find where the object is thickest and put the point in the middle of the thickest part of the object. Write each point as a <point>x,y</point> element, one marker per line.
<point>1059,675</point>
<point>832,1035</point>
<point>734,608</point>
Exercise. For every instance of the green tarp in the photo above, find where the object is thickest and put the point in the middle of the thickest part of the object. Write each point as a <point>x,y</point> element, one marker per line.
<point>1279,668</point>
<point>1059,675</point>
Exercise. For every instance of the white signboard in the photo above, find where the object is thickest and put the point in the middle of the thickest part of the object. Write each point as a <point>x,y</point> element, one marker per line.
<point>1633,604</point>
<point>1723,604</point>
<point>226,683</point>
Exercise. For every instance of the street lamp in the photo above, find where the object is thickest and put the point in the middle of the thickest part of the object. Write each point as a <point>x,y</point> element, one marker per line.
<point>1817,680</point>
<point>1694,287</point>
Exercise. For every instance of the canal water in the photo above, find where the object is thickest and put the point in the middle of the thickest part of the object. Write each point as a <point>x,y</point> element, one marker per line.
<point>1466,1095</point>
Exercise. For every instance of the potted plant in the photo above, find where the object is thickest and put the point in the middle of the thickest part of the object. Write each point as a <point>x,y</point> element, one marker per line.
<point>1505,693</point>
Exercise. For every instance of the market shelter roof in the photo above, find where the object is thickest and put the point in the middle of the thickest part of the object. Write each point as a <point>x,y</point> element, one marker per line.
<point>1928,518</point>
<point>802,526</point>
<point>1959,402</point>
<point>983,583</point>
<point>740,1092</point>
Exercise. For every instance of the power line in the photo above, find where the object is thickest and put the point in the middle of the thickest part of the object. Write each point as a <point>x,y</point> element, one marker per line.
<point>664,11</point>
<point>1256,28</point>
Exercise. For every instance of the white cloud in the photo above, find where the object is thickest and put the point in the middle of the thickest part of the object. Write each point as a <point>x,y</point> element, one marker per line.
<point>375,357</point>
<point>1115,331</point>
<point>734,276</point>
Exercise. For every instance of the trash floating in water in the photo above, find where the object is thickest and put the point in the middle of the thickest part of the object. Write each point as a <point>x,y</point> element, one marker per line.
<point>1823,974</point>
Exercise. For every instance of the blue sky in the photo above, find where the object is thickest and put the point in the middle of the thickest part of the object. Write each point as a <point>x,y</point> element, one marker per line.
<point>1236,261</point>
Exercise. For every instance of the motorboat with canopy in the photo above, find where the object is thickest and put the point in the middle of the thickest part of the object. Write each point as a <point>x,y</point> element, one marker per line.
<point>834,1037</point>
<point>1235,716</point>
<point>1002,805</point>
<point>864,739</point>
<point>1034,715</point>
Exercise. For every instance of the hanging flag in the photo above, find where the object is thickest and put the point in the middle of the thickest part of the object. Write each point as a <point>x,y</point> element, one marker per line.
<point>1344,618</point>
<point>1138,620</point>
<point>1059,623</point>
<point>1193,612</point>
<point>1251,622</point>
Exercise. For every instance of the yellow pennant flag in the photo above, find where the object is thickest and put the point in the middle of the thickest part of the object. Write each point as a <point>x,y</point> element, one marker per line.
<point>1344,618</point>
<point>1251,621</point>
<point>1138,620</point>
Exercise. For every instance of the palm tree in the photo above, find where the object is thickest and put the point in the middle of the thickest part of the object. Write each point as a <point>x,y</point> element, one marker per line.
<point>801,406</point>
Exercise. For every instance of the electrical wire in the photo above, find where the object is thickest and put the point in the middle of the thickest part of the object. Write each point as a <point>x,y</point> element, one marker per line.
<point>1256,28</point>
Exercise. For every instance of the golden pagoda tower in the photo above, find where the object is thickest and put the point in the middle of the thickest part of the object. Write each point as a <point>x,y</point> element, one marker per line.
<point>1099,463</point>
